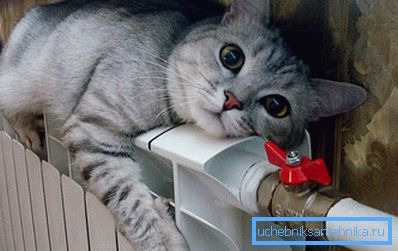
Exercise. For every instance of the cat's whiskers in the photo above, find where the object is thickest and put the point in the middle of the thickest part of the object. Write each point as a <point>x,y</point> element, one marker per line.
<point>153,55</point>
<point>171,108</point>
<point>149,77</point>
<point>166,68</point>
<point>163,111</point>
<point>201,74</point>
<point>161,97</point>
<point>171,69</point>
<point>206,97</point>
<point>167,63</point>
<point>165,89</point>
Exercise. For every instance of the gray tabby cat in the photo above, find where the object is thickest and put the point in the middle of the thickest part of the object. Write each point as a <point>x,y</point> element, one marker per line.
<point>110,70</point>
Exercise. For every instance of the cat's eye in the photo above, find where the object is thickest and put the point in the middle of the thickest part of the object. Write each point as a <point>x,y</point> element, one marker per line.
<point>232,57</point>
<point>276,105</point>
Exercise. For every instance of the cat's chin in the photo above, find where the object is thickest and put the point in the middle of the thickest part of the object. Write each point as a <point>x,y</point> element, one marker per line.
<point>216,127</point>
<point>220,125</point>
<point>209,122</point>
<point>213,127</point>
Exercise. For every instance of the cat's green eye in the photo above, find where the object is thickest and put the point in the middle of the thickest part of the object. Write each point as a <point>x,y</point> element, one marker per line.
<point>232,57</point>
<point>276,105</point>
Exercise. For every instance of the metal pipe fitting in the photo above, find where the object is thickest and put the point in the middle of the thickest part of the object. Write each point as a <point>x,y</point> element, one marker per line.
<point>279,200</point>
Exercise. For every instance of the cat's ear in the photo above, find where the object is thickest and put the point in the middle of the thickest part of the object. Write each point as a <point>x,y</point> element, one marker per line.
<point>257,10</point>
<point>333,98</point>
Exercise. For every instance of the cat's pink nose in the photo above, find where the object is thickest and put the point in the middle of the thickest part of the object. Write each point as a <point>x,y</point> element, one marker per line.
<point>231,102</point>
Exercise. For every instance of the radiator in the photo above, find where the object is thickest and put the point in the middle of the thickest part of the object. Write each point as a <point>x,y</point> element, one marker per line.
<point>42,209</point>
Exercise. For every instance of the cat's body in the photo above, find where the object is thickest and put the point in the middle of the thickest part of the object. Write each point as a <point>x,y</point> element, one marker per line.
<point>110,70</point>
<point>76,43</point>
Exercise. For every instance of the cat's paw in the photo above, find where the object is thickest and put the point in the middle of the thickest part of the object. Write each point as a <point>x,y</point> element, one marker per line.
<point>175,240</point>
<point>162,206</point>
<point>29,138</point>
<point>31,134</point>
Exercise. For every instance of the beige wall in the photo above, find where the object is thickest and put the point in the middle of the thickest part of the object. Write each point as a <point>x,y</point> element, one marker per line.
<point>12,10</point>
<point>370,168</point>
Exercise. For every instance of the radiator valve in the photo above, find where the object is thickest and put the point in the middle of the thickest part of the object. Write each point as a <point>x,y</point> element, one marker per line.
<point>297,189</point>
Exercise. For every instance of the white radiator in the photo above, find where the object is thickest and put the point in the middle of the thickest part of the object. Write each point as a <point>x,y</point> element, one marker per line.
<point>42,210</point>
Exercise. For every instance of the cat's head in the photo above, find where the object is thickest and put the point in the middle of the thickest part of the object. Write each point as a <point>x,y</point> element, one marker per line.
<point>235,77</point>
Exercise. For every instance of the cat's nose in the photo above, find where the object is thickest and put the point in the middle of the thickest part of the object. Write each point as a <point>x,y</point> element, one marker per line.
<point>231,102</point>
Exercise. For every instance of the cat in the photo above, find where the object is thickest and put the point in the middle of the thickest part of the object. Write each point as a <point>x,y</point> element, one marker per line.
<point>110,70</point>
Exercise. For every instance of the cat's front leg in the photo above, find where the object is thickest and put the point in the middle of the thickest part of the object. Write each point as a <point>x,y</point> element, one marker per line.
<point>175,241</point>
<point>112,174</point>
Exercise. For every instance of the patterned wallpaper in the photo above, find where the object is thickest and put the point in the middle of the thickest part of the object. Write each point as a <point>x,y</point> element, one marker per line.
<point>370,153</point>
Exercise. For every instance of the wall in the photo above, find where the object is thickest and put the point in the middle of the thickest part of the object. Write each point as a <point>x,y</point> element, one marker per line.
<point>370,153</point>
<point>354,41</point>
<point>11,12</point>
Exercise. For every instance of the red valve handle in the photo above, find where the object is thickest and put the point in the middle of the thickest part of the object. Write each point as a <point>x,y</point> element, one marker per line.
<point>307,170</point>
